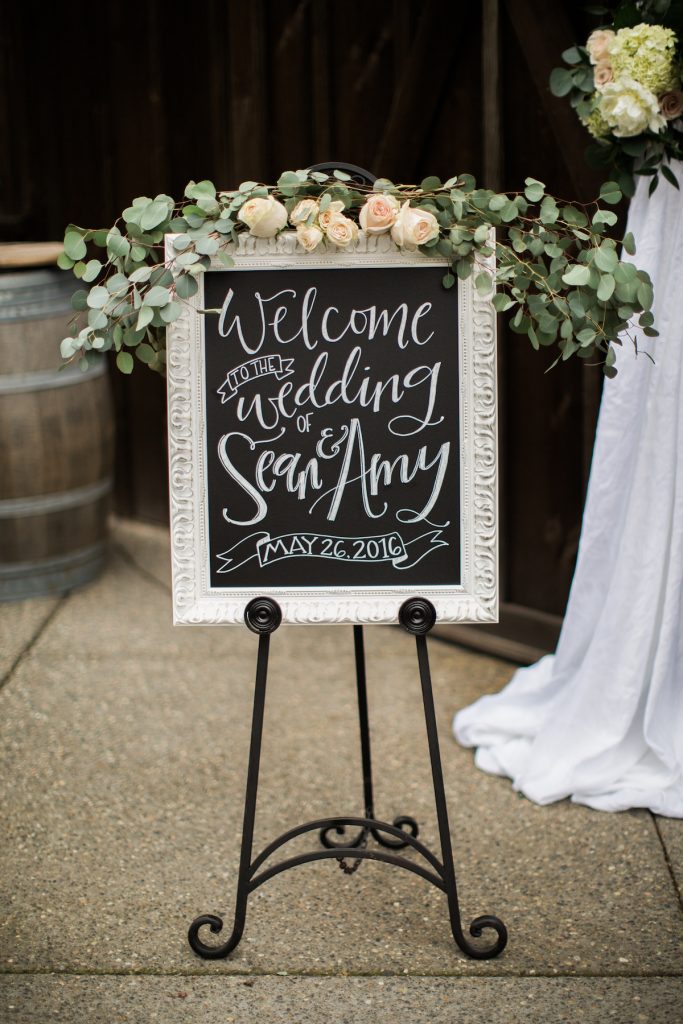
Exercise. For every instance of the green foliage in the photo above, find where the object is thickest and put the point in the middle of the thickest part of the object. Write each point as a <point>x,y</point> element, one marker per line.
<point>557,274</point>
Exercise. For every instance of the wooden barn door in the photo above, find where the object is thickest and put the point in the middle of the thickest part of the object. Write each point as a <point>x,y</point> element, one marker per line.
<point>406,88</point>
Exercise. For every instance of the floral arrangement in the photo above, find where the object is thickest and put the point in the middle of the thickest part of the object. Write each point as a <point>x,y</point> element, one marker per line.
<point>625,85</point>
<point>558,274</point>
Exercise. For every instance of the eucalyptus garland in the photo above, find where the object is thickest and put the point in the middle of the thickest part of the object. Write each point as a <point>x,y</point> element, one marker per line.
<point>558,273</point>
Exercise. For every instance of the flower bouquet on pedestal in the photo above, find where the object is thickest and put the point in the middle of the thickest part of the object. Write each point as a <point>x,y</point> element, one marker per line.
<point>625,85</point>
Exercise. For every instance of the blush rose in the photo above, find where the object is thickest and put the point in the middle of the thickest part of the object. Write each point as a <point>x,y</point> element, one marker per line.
<point>598,44</point>
<point>309,238</point>
<point>332,210</point>
<point>414,227</point>
<point>671,104</point>
<point>603,75</point>
<point>341,230</point>
<point>378,214</point>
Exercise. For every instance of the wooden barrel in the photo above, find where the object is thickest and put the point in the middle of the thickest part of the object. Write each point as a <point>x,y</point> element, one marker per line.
<point>56,444</point>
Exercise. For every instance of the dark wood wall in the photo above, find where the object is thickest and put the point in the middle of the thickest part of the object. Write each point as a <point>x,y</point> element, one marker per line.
<point>101,104</point>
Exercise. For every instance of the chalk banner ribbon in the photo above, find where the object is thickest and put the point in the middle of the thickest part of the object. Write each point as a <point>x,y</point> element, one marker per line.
<point>388,547</point>
<point>252,370</point>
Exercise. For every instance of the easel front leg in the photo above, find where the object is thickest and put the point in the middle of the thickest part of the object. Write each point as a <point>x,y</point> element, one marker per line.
<point>418,617</point>
<point>262,616</point>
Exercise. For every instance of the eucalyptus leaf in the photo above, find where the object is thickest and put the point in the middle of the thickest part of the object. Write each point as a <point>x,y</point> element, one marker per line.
<point>118,247</point>
<point>156,296</point>
<point>141,275</point>
<point>74,245</point>
<point>608,217</point>
<point>610,193</point>
<point>91,271</point>
<point>144,317</point>
<point>124,362</point>
<point>606,258</point>
<point>533,190</point>
<point>207,246</point>
<point>561,82</point>
<point>154,215</point>
<point>97,297</point>
<point>606,287</point>
<point>577,275</point>
<point>186,287</point>
<point>97,320</point>
<point>502,302</point>
<point>170,312</point>
<point>482,283</point>
<point>629,243</point>
<point>145,353</point>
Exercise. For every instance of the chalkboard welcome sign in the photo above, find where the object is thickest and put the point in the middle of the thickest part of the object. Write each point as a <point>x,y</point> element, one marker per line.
<point>332,437</point>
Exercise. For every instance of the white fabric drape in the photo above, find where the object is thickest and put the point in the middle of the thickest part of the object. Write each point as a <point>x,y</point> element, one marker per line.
<point>601,720</point>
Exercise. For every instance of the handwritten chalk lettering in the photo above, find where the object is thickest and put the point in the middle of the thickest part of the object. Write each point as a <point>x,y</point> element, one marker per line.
<point>332,435</point>
<point>348,447</point>
<point>262,366</point>
<point>349,389</point>
<point>390,547</point>
<point>285,317</point>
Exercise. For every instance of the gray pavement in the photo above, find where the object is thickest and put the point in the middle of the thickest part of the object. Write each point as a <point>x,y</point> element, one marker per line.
<point>124,743</point>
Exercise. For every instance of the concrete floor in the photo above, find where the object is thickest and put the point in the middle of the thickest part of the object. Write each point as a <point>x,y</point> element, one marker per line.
<point>124,743</point>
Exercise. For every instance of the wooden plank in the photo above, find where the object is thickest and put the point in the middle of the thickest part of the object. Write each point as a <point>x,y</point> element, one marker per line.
<point>247,62</point>
<point>492,135</point>
<point>543,31</point>
<point>290,62</point>
<point>321,86</point>
<point>427,71</point>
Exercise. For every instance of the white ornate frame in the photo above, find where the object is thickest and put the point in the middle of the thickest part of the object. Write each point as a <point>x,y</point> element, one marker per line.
<point>475,599</point>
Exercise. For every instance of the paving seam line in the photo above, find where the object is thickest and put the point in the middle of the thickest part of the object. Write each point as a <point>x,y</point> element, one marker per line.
<point>667,860</point>
<point>133,563</point>
<point>33,640</point>
<point>483,976</point>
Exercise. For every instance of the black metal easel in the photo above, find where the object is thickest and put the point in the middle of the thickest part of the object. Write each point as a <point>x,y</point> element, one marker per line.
<point>263,616</point>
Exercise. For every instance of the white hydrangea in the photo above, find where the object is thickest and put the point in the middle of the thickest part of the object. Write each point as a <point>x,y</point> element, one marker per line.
<point>645,53</point>
<point>629,108</point>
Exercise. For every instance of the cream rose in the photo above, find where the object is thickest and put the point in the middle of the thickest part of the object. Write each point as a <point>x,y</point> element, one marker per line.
<point>598,44</point>
<point>341,230</point>
<point>303,210</point>
<point>332,210</point>
<point>603,75</point>
<point>414,227</point>
<point>264,216</point>
<point>309,238</point>
<point>378,214</point>
<point>671,104</point>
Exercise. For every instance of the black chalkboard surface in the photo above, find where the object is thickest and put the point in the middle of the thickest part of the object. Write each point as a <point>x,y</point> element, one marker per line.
<point>332,427</point>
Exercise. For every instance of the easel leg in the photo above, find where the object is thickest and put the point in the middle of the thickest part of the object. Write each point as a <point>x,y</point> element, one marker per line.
<point>418,617</point>
<point>366,760</point>
<point>403,821</point>
<point>262,616</point>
